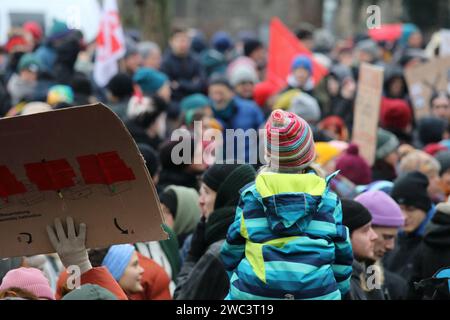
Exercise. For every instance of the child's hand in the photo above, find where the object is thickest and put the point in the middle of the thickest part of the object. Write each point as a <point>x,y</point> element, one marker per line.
<point>70,248</point>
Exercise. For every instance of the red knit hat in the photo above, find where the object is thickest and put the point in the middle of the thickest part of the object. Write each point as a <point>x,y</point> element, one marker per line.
<point>395,113</point>
<point>354,167</point>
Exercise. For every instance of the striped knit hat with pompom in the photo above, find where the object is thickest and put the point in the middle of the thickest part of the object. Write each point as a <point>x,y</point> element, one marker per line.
<point>290,143</point>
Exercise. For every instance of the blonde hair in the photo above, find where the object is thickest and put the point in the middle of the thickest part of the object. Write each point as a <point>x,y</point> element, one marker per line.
<point>419,161</point>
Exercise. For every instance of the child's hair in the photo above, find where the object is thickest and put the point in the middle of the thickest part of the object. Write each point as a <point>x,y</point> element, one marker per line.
<point>17,293</point>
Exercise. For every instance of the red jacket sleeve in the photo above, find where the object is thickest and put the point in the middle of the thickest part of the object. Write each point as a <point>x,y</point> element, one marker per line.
<point>99,276</point>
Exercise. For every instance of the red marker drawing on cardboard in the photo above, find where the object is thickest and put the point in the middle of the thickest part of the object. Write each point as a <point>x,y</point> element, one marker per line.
<point>105,168</point>
<point>9,185</point>
<point>53,175</point>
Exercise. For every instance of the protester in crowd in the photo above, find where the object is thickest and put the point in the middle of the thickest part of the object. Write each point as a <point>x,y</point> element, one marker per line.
<point>397,118</point>
<point>203,275</point>
<point>181,210</point>
<point>395,86</point>
<point>410,192</point>
<point>359,222</point>
<point>70,245</point>
<point>184,171</point>
<point>386,156</point>
<point>431,130</point>
<point>255,51</point>
<point>352,166</point>
<point>196,107</point>
<point>132,59</point>
<point>387,219</point>
<point>417,160</point>
<point>21,85</point>
<point>120,90</point>
<point>341,89</point>
<point>443,158</point>
<point>153,82</point>
<point>146,120</point>
<point>234,112</point>
<point>327,157</point>
<point>243,80</point>
<point>272,199</point>
<point>139,277</point>
<point>90,292</point>
<point>184,71</point>
<point>302,104</point>
<point>335,128</point>
<point>25,284</point>
<point>216,59</point>
<point>151,55</point>
<point>440,105</point>
<point>301,75</point>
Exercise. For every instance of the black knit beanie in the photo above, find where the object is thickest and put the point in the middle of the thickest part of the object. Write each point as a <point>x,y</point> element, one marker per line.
<point>227,180</point>
<point>151,158</point>
<point>354,215</point>
<point>411,190</point>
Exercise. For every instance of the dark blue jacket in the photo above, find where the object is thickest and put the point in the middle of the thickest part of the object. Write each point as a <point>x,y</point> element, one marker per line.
<point>187,71</point>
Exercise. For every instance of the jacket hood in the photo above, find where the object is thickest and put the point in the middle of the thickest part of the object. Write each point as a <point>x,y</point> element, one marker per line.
<point>188,210</point>
<point>289,200</point>
<point>437,233</point>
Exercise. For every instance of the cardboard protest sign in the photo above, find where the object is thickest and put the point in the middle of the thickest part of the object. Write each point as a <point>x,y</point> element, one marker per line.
<point>367,110</point>
<point>79,162</point>
<point>424,79</point>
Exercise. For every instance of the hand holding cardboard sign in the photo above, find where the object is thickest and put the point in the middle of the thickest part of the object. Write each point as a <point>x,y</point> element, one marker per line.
<point>70,247</point>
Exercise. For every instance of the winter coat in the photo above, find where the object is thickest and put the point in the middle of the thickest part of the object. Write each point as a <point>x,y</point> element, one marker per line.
<point>288,241</point>
<point>187,71</point>
<point>140,135</point>
<point>357,292</point>
<point>99,276</point>
<point>245,115</point>
<point>434,252</point>
<point>203,279</point>
<point>401,260</point>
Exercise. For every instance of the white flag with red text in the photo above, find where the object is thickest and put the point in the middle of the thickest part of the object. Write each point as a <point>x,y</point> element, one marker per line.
<point>110,44</point>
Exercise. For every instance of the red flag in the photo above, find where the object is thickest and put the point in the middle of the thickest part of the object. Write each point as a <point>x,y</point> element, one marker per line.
<point>9,185</point>
<point>105,168</point>
<point>284,46</point>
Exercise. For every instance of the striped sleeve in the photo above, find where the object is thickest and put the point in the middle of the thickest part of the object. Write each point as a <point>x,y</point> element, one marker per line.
<point>233,249</point>
<point>342,266</point>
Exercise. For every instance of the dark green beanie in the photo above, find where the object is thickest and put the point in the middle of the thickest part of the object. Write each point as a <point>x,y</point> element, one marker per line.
<point>90,292</point>
<point>387,143</point>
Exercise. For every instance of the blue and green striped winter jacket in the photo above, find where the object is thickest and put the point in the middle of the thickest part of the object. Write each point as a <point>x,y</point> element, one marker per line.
<point>288,241</point>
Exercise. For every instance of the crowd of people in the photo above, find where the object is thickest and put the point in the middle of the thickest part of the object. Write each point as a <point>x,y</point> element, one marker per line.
<point>315,221</point>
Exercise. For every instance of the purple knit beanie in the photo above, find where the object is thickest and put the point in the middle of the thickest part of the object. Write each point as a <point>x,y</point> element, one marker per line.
<point>384,210</point>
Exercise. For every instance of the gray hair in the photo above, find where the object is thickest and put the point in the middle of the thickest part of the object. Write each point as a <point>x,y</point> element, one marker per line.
<point>148,48</point>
